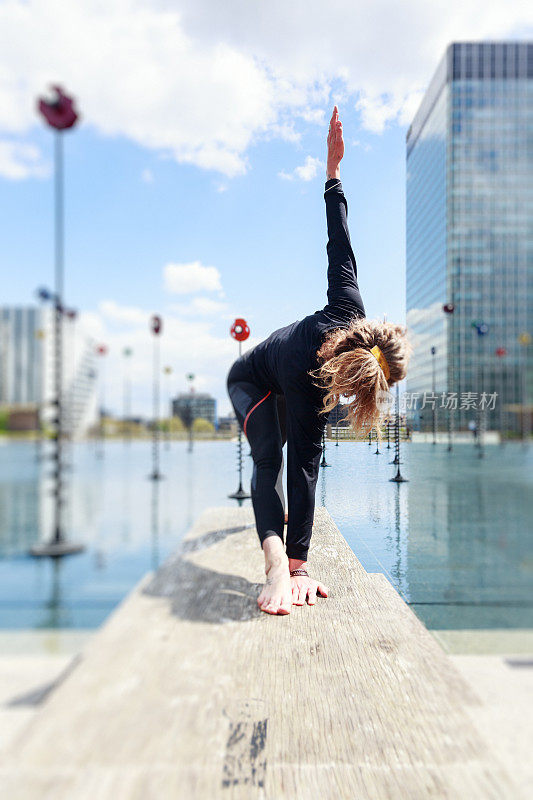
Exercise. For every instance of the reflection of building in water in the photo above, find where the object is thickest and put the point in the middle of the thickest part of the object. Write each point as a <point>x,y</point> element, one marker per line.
<point>27,365</point>
<point>192,405</point>
<point>469,215</point>
<point>467,545</point>
<point>20,509</point>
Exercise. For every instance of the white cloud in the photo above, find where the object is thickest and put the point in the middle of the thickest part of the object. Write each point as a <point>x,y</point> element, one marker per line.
<point>122,315</point>
<point>315,115</point>
<point>200,307</point>
<point>147,176</point>
<point>379,52</point>
<point>191,83</point>
<point>192,277</point>
<point>187,345</point>
<point>306,172</point>
<point>19,161</point>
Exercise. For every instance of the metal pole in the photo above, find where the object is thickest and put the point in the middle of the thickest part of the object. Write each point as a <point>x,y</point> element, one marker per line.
<point>324,463</point>
<point>525,340</point>
<point>481,414</point>
<point>58,334</point>
<point>101,427</point>
<point>501,387</point>
<point>240,494</point>
<point>156,475</point>
<point>167,391</point>
<point>126,398</point>
<point>398,478</point>
<point>433,388</point>
<point>58,545</point>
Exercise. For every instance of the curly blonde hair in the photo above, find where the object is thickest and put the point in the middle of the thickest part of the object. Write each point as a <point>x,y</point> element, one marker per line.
<point>348,369</point>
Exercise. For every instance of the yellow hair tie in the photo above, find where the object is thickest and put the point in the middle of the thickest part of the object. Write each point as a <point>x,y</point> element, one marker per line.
<point>382,361</point>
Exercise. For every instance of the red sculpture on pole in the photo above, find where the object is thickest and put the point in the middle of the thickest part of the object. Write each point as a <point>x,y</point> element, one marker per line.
<point>59,112</point>
<point>240,330</point>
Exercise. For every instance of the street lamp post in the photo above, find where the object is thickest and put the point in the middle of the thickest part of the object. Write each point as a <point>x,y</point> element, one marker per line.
<point>126,396</point>
<point>240,332</point>
<point>433,391</point>
<point>167,371</point>
<point>501,352</point>
<point>398,478</point>
<point>481,329</point>
<point>524,340</point>
<point>449,309</point>
<point>39,335</point>
<point>156,326</point>
<point>189,414</point>
<point>324,463</point>
<point>101,351</point>
<point>59,113</point>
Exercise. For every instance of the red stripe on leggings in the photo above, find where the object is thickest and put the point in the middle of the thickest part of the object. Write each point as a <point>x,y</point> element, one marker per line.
<point>253,409</point>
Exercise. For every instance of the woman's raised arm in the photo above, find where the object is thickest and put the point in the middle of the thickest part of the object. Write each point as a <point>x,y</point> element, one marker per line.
<point>343,290</point>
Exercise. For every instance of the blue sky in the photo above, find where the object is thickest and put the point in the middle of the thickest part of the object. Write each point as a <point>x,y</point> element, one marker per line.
<point>221,167</point>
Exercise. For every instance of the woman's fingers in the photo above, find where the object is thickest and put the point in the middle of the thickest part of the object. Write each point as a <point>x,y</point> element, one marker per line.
<point>311,596</point>
<point>322,589</point>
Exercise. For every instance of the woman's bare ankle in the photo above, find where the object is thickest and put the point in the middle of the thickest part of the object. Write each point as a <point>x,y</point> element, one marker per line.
<point>275,555</point>
<point>297,563</point>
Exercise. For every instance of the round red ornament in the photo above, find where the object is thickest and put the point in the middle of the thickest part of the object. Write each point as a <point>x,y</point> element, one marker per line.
<point>240,330</point>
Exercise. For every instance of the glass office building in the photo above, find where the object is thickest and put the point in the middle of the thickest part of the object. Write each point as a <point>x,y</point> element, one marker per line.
<point>469,233</point>
<point>21,355</point>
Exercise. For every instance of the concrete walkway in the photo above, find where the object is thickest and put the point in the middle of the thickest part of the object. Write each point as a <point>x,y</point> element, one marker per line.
<point>190,692</point>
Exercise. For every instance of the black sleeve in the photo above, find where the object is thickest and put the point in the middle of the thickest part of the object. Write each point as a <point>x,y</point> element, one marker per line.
<point>343,290</point>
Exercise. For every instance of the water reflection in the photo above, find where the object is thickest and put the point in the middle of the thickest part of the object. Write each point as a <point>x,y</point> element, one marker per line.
<point>455,541</point>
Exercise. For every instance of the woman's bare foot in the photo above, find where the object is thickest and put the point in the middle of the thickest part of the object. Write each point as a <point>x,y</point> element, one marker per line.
<point>276,596</point>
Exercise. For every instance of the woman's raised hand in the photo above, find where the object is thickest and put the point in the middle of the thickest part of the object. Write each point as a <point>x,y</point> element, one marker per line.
<point>335,145</point>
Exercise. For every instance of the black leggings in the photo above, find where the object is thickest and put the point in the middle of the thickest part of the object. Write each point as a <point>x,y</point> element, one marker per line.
<point>262,416</point>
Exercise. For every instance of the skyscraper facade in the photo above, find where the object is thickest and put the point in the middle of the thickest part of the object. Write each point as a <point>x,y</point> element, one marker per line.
<point>470,235</point>
<point>22,349</point>
<point>27,346</point>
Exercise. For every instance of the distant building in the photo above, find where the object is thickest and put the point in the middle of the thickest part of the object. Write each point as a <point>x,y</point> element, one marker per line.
<point>27,367</point>
<point>337,416</point>
<point>468,231</point>
<point>194,405</point>
<point>228,424</point>
<point>22,351</point>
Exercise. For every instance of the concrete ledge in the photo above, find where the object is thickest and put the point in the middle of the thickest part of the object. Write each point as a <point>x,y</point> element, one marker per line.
<point>189,691</point>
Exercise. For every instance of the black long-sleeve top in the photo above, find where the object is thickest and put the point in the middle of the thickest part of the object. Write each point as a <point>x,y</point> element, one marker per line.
<point>282,364</point>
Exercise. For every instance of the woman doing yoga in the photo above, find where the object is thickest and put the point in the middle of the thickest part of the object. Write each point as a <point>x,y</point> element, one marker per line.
<point>283,389</point>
